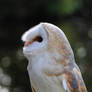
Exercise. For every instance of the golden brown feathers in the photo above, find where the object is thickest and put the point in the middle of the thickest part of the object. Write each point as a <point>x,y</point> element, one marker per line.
<point>52,66</point>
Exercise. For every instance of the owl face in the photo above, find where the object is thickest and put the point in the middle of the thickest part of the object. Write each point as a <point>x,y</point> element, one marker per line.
<point>35,40</point>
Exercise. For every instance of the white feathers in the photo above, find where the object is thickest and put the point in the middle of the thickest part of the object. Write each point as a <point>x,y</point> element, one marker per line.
<point>47,57</point>
<point>31,33</point>
<point>64,83</point>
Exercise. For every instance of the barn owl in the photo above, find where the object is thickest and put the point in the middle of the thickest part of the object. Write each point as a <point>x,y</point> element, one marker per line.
<point>51,65</point>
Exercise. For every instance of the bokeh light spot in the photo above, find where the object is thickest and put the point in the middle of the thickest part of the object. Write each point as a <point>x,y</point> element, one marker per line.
<point>3,89</point>
<point>19,54</point>
<point>81,52</point>
<point>4,78</point>
<point>6,61</point>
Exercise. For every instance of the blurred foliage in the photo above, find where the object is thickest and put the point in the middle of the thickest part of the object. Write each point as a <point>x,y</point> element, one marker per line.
<point>64,7</point>
<point>74,17</point>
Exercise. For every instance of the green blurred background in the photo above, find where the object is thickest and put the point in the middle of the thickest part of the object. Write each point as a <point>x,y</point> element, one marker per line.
<point>74,17</point>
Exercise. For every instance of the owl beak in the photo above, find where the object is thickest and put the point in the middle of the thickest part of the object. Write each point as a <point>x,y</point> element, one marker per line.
<point>27,43</point>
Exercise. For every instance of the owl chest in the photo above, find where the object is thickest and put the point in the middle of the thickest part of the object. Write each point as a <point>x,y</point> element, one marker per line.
<point>43,83</point>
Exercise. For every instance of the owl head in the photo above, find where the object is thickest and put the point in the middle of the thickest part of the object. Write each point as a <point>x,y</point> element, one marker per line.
<point>46,38</point>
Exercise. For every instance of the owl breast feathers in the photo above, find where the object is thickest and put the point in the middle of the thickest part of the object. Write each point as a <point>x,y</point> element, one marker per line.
<point>51,66</point>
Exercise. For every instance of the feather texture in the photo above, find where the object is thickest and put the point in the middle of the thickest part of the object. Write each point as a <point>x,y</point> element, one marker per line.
<point>74,81</point>
<point>51,66</point>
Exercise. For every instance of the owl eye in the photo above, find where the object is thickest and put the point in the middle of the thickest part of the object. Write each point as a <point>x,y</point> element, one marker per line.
<point>38,39</point>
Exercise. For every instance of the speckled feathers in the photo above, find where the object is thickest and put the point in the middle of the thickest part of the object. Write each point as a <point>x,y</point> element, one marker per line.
<point>52,66</point>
